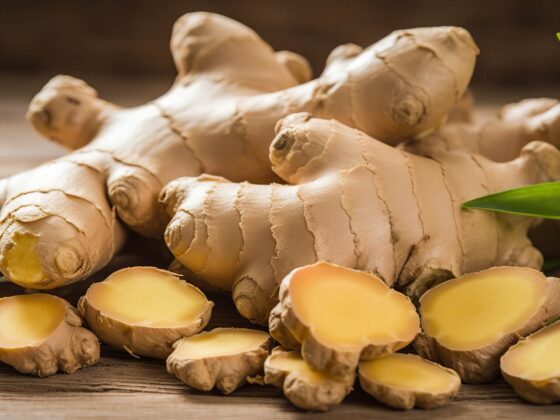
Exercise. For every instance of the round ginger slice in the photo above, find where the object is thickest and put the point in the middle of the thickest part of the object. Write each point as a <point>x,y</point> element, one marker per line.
<point>470,321</point>
<point>144,310</point>
<point>532,366</point>
<point>41,334</point>
<point>305,387</point>
<point>405,381</point>
<point>223,358</point>
<point>341,316</point>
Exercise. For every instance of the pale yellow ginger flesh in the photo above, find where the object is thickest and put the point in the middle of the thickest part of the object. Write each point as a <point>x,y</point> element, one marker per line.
<point>222,358</point>
<point>22,263</point>
<point>219,342</point>
<point>410,373</point>
<point>42,334</point>
<point>149,297</point>
<point>293,362</point>
<point>337,303</point>
<point>28,320</point>
<point>476,310</point>
<point>144,310</point>
<point>537,358</point>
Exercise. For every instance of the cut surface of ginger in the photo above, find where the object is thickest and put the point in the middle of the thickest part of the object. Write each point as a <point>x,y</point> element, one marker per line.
<point>28,320</point>
<point>342,307</point>
<point>293,362</point>
<point>409,372</point>
<point>148,297</point>
<point>220,342</point>
<point>22,262</point>
<point>475,310</point>
<point>537,358</point>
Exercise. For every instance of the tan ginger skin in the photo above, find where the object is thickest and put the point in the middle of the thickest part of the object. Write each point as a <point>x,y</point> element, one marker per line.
<point>355,202</point>
<point>218,118</point>
<point>227,371</point>
<point>501,138</point>
<point>305,387</point>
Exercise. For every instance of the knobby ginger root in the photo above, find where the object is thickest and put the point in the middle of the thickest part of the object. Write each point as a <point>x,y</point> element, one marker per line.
<point>405,381</point>
<point>223,358</point>
<point>532,366</point>
<point>42,334</point>
<point>341,316</point>
<point>502,137</point>
<point>144,310</point>
<point>305,387</point>
<point>218,118</point>
<point>355,202</point>
<point>469,322</point>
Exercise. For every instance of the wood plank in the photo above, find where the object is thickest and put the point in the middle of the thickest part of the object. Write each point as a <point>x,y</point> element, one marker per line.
<point>121,385</point>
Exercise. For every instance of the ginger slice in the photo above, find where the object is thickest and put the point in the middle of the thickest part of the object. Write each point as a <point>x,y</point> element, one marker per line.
<point>405,381</point>
<point>470,321</point>
<point>278,330</point>
<point>144,310</point>
<point>341,316</point>
<point>41,334</point>
<point>304,386</point>
<point>532,366</point>
<point>223,358</point>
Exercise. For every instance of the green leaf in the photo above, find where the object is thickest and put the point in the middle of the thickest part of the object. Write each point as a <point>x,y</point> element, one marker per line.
<point>550,265</point>
<point>558,35</point>
<point>539,200</point>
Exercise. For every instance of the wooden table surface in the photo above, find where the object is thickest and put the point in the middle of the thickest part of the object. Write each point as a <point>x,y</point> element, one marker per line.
<point>121,386</point>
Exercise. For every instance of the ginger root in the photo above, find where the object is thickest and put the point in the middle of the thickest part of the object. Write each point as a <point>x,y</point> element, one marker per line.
<point>42,334</point>
<point>223,358</point>
<point>469,322</point>
<point>341,316</point>
<point>218,118</point>
<point>305,387</point>
<point>355,202</point>
<point>144,310</point>
<point>501,138</point>
<point>406,381</point>
<point>532,366</point>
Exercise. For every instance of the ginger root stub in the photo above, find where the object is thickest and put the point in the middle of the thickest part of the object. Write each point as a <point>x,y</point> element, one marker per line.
<point>223,358</point>
<point>305,387</point>
<point>405,381</point>
<point>532,366</point>
<point>42,334</point>
<point>341,316</point>
<point>144,310</point>
<point>470,321</point>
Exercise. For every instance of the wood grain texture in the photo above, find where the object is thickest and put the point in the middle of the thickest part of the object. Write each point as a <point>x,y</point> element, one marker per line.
<point>121,386</point>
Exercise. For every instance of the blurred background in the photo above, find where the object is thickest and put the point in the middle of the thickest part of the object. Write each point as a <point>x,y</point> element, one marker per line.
<point>121,47</point>
<point>130,37</point>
